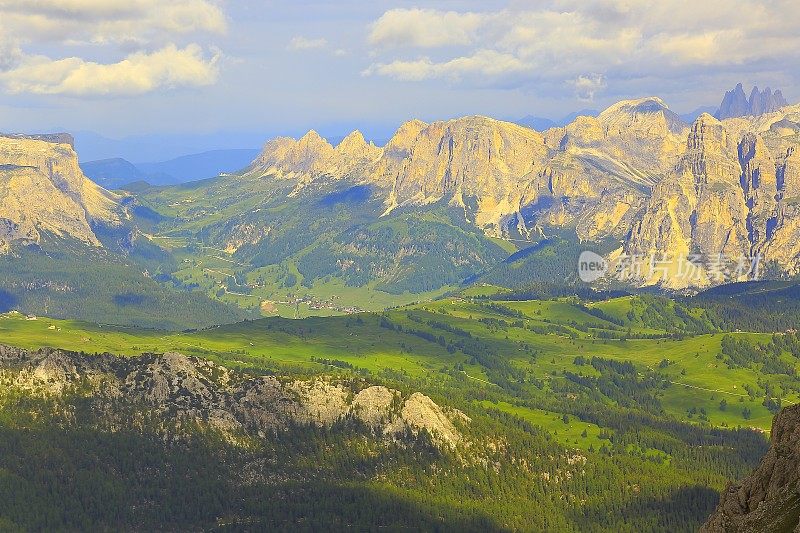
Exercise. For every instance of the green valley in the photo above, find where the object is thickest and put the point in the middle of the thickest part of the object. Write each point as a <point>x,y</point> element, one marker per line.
<point>630,384</point>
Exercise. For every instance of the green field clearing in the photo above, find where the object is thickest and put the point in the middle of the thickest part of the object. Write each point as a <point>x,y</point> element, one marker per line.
<point>425,344</point>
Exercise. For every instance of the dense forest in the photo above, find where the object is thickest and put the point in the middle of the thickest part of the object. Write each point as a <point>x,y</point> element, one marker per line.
<point>104,289</point>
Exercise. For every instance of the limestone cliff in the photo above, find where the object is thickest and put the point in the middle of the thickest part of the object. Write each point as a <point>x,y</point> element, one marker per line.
<point>768,500</point>
<point>636,173</point>
<point>43,191</point>
<point>730,194</point>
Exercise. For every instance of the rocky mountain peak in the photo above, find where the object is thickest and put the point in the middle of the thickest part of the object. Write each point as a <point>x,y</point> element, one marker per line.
<point>310,155</point>
<point>474,156</point>
<point>313,139</point>
<point>355,147</point>
<point>706,131</point>
<point>736,104</point>
<point>402,140</point>
<point>355,139</point>
<point>650,115</point>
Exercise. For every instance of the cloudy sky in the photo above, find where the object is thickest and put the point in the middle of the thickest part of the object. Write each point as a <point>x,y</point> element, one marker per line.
<point>190,67</point>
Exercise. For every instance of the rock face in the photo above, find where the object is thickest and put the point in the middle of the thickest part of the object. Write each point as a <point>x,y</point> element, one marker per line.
<point>769,499</point>
<point>635,173</point>
<point>736,104</point>
<point>43,192</point>
<point>508,179</point>
<point>172,392</point>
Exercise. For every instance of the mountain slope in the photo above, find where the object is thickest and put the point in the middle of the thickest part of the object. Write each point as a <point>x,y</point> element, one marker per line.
<point>767,501</point>
<point>44,194</point>
<point>636,174</point>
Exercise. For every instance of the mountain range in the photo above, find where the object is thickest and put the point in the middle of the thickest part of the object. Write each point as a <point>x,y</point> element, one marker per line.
<point>472,198</point>
<point>636,173</point>
<point>116,172</point>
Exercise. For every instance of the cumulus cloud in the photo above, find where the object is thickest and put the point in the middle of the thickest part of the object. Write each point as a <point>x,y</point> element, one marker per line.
<point>109,21</point>
<point>138,73</point>
<point>304,43</point>
<point>560,41</point>
<point>139,36</point>
<point>10,52</point>
<point>586,86</point>
<point>424,28</point>
<point>481,63</point>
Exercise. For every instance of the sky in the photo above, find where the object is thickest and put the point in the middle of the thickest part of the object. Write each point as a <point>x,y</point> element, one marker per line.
<point>236,72</point>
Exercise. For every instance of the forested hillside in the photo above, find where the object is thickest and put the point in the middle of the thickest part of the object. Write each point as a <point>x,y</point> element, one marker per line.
<point>573,411</point>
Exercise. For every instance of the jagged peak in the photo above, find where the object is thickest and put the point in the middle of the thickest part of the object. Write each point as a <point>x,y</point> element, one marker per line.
<point>355,147</point>
<point>415,125</point>
<point>312,137</point>
<point>354,139</point>
<point>405,135</point>
<point>736,103</point>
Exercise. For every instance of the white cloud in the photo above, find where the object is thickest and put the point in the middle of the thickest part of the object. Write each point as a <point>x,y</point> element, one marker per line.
<point>109,21</point>
<point>586,86</point>
<point>140,41</point>
<point>138,73</point>
<point>559,41</point>
<point>424,28</point>
<point>481,63</point>
<point>10,53</point>
<point>304,43</point>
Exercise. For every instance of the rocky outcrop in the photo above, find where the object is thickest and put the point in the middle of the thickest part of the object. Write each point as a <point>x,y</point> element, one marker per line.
<point>736,104</point>
<point>727,200</point>
<point>172,393</point>
<point>43,192</point>
<point>768,500</point>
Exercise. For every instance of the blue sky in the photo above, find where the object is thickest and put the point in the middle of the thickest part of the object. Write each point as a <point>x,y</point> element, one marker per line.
<point>258,69</point>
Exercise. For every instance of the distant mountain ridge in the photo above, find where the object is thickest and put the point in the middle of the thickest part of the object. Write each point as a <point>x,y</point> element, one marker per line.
<point>636,172</point>
<point>736,104</point>
<point>117,172</point>
<point>444,201</point>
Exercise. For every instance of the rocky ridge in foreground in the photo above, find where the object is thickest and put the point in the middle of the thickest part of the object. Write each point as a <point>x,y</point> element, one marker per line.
<point>172,394</point>
<point>768,500</point>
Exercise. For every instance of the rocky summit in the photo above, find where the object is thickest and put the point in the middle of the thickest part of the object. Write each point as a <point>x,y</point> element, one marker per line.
<point>768,500</point>
<point>44,193</point>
